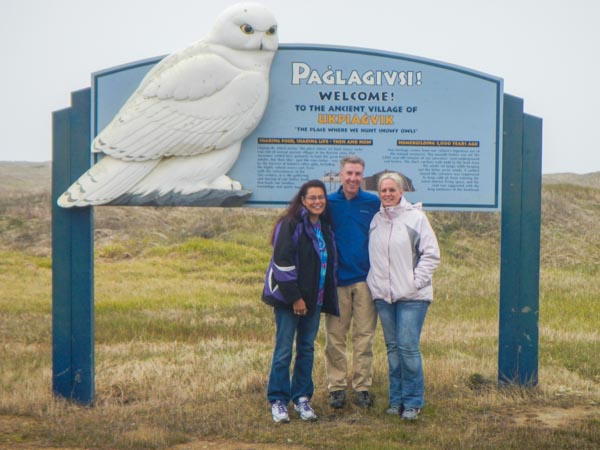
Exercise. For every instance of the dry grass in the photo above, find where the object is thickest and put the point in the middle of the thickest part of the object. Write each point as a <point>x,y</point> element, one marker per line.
<point>183,344</point>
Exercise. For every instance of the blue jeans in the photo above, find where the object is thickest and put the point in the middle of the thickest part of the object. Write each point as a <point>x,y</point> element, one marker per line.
<point>402,322</point>
<point>305,329</point>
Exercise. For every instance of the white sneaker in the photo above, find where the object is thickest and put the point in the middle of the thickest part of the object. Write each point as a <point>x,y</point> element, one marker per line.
<point>410,413</point>
<point>303,408</point>
<point>279,412</point>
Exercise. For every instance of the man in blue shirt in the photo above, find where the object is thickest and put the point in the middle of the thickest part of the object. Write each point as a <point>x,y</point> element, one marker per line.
<point>352,210</point>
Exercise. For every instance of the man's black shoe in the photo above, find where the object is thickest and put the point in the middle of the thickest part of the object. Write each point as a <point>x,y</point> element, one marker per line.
<point>337,399</point>
<point>363,399</point>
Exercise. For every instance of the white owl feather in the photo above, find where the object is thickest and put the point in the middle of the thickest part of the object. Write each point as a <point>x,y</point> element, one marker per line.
<point>181,131</point>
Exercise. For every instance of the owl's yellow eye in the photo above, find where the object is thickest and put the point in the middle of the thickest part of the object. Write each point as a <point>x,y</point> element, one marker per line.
<point>247,29</point>
<point>272,30</point>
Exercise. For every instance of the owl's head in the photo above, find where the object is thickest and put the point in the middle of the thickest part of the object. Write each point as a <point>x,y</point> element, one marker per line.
<point>245,26</point>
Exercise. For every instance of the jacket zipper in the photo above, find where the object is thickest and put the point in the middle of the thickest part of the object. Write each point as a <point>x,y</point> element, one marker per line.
<point>389,243</point>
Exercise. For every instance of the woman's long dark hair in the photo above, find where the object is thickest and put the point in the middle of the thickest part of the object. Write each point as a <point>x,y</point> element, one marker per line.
<point>295,206</point>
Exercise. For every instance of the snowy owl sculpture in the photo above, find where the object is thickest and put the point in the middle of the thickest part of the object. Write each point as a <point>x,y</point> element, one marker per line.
<point>179,134</point>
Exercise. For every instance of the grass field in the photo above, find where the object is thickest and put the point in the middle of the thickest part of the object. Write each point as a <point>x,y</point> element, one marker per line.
<point>183,342</point>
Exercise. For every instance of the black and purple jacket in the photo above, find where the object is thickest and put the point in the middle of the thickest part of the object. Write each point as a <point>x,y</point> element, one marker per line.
<point>295,267</point>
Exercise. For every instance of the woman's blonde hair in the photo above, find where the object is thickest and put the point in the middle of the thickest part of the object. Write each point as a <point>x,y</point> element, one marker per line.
<point>395,177</point>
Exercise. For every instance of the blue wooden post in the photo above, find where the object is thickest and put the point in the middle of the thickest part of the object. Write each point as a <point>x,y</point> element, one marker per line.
<point>72,257</point>
<point>520,246</point>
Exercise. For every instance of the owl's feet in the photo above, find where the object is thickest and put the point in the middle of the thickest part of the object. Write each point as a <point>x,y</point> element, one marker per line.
<point>226,183</point>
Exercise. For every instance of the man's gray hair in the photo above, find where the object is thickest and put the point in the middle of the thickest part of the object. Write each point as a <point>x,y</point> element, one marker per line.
<point>352,159</point>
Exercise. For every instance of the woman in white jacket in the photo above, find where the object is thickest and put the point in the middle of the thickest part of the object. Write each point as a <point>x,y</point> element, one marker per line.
<point>403,253</point>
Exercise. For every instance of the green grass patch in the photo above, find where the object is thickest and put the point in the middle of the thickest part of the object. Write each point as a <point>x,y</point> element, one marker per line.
<point>183,341</point>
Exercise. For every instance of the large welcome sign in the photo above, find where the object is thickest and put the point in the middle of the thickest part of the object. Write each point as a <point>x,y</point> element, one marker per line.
<point>438,124</point>
<point>451,131</point>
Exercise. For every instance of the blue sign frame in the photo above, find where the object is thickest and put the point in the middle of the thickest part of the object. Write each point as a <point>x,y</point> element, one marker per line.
<point>72,232</point>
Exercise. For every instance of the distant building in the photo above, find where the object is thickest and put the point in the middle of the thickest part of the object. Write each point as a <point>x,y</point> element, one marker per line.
<point>370,183</point>
<point>331,180</point>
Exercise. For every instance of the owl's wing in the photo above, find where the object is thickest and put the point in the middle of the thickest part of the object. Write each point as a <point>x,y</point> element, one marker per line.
<point>195,105</point>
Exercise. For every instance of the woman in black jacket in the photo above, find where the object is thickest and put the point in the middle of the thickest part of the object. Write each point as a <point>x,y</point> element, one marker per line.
<point>300,284</point>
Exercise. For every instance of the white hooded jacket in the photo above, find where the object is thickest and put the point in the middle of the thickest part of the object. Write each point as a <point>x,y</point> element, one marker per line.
<point>403,253</point>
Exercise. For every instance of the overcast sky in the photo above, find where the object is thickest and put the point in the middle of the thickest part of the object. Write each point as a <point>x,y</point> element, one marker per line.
<point>547,52</point>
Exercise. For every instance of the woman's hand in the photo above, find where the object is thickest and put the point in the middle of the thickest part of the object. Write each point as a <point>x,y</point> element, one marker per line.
<point>300,307</point>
